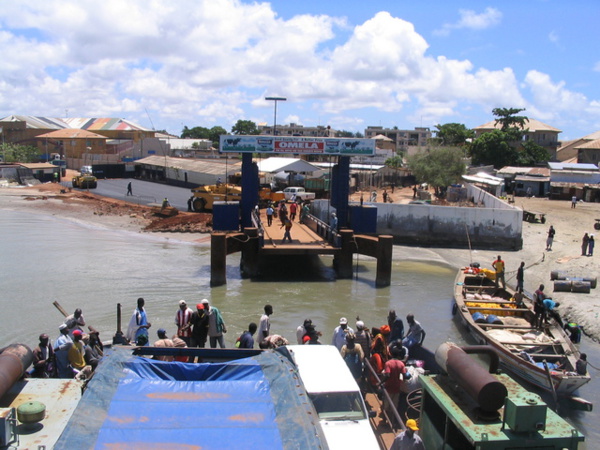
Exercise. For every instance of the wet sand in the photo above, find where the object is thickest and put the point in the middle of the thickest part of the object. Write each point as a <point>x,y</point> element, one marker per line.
<point>570,225</point>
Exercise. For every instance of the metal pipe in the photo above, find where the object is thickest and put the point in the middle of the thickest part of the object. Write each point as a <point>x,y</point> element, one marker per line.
<point>487,391</point>
<point>14,361</point>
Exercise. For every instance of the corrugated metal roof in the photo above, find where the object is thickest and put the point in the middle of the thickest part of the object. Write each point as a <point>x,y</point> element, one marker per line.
<point>210,166</point>
<point>532,124</point>
<point>102,123</point>
<point>512,170</point>
<point>37,122</point>
<point>567,166</point>
<point>278,164</point>
<point>537,179</point>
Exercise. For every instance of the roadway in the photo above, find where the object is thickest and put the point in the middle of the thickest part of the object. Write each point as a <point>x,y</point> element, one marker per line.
<point>144,192</point>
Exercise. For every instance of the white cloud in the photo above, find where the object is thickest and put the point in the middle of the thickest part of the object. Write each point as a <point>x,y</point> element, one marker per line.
<point>471,20</point>
<point>553,37</point>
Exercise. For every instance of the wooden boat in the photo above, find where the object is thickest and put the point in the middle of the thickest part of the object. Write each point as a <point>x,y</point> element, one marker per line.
<point>544,356</point>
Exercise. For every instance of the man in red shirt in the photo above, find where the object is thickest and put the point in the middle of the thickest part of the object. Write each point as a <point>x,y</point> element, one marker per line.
<point>394,373</point>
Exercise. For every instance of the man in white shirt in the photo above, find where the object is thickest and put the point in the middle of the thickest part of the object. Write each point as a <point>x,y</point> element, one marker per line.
<point>264,327</point>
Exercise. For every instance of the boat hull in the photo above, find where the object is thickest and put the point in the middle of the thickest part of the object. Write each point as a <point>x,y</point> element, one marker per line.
<point>503,306</point>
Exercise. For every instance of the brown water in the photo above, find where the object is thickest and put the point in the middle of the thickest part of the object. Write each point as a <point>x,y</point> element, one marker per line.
<point>45,259</point>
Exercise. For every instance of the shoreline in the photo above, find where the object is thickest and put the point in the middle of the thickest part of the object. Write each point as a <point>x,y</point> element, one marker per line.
<point>570,224</point>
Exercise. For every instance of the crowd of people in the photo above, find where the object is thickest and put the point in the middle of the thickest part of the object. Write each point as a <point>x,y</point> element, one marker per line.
<point>287,215</point>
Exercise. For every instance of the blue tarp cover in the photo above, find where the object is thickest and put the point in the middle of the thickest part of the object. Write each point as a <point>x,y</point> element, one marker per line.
<point>134,402</point>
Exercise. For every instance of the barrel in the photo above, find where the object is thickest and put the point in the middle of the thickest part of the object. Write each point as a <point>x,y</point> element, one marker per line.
<point>491,318</point>
<point>558,275</point>
<point>593,281</point>
<point>580,286</point>
<point>562,286</point>
<point>14,361</point>
<point>478,317</point>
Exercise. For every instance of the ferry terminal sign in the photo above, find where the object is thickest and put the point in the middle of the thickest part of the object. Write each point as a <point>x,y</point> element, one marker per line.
<point>297,145</point>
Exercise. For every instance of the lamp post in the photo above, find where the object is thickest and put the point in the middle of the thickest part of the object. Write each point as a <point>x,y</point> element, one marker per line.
<point>275,99</point>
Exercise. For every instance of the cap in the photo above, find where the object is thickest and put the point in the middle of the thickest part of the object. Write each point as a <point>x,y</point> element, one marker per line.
<point>63,326</point>
<point>162,331</point>
<point>343,321</point>
<point>182,303</point>
<point>199,306</point>
<point>204,301</point>
<point>77,333</point>
<point>412,424</point>
<point>44,336</point>
<point>360,324</point>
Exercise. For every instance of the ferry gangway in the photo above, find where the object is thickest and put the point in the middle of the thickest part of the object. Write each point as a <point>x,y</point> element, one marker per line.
<point>323,229</point>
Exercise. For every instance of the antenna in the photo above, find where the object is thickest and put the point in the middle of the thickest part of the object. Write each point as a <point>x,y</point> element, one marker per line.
<point>150,119</point>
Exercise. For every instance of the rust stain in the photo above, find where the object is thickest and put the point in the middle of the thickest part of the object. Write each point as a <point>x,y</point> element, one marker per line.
<point>151,446</point>
<point>122,420</point>
<point>252,418</point>
<point>187,397</point>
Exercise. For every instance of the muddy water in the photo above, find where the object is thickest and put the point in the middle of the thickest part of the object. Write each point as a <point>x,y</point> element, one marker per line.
<point>45,259</point>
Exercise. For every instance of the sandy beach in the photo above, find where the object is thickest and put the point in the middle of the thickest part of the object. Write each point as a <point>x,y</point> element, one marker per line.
<point>570,225</point>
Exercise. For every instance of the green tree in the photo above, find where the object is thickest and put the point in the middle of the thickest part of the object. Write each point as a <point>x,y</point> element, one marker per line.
<point>439,167</point>
<point>246,127</point>
<point>493,148</point>
<point>394,162</point>
<point>19,153</point>
<point>195,133</point>
<point>215,135</point>
<point>507,118</point>
<point>453,134</point>
<point>531,154</point>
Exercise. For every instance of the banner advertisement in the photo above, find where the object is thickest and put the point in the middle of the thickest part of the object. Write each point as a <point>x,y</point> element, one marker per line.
<point>297,145</point>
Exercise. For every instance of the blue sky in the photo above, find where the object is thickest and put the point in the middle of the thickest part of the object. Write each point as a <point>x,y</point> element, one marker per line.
<point>166,64</point>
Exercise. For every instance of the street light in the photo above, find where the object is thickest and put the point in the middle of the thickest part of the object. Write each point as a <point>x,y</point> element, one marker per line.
<point>275,99</point>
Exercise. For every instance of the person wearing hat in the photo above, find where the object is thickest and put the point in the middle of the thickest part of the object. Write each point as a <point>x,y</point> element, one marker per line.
<point>199,324</point>
<point>77,352</point>
<point>363,338</point>
<point>408,439</point>
<point>163,341</point>
<point>339,334</point>
<point>43,358</point>
<point>183,320</point>
<point>216,325</point>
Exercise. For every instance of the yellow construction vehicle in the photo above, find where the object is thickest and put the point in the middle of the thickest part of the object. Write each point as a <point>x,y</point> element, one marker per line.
<point>85,181</point>
<point>267,196</point>
<point>205,196</point>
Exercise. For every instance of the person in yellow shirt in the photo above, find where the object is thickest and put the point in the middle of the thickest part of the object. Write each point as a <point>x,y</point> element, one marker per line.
<point>77,352</point>
<point>499,266</point>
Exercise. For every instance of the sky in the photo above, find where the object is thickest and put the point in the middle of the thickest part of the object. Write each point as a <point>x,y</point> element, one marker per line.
<point>166,64</point>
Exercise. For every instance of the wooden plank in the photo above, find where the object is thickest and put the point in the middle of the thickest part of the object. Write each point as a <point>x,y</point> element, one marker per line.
<point>491,308</point>
<point>534,344</point>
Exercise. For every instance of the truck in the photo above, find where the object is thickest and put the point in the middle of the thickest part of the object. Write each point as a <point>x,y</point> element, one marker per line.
<point>297,193</point>
<point>205,196</point>
<point>85,181</point>
<point>267,196</point>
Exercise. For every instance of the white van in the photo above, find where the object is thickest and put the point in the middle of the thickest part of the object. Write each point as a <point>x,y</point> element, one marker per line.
<point>336,397</point>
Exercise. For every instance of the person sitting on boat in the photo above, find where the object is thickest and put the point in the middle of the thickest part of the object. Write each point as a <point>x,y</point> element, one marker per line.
<point>549,311</point>
<point>75,321</point>
<point>43,358</point>
<point>538,305</point>
<point>379,351</point>
<point>415,334</point>
<point>396,326</point>
<point>92,358</point>
<point>397,344</point>
<point>408,439</point>
<point>581,364</point>
<point>61,352</point>
<point>163,341</point>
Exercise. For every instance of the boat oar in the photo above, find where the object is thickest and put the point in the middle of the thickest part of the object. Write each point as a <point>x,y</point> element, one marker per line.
<point>554,395</point>
<point>60,308</point>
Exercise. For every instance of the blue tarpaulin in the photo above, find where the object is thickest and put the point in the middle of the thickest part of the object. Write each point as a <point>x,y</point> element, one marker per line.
<point>134,402</point>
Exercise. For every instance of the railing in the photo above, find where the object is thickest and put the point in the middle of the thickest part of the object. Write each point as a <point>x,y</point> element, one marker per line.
<point>386,396</point>
<point>257,223</point>
<point>322,229</point>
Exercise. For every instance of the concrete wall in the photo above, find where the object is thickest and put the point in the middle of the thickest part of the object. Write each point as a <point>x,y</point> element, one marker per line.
<point>493,225</point>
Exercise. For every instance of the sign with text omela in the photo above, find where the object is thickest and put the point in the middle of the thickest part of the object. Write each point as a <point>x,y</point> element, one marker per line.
<point>297,145</point>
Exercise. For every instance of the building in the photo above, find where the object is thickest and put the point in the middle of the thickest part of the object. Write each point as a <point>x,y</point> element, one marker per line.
<point>294,129</point>
<point>523,181</point>
<point>80,141</point>
<point>408,141</point>
<point>542,134</point>
<point>588,152</point>
<point>574,180</point>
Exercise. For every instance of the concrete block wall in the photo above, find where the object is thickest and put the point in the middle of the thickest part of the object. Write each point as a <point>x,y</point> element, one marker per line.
<point>494,225</point>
